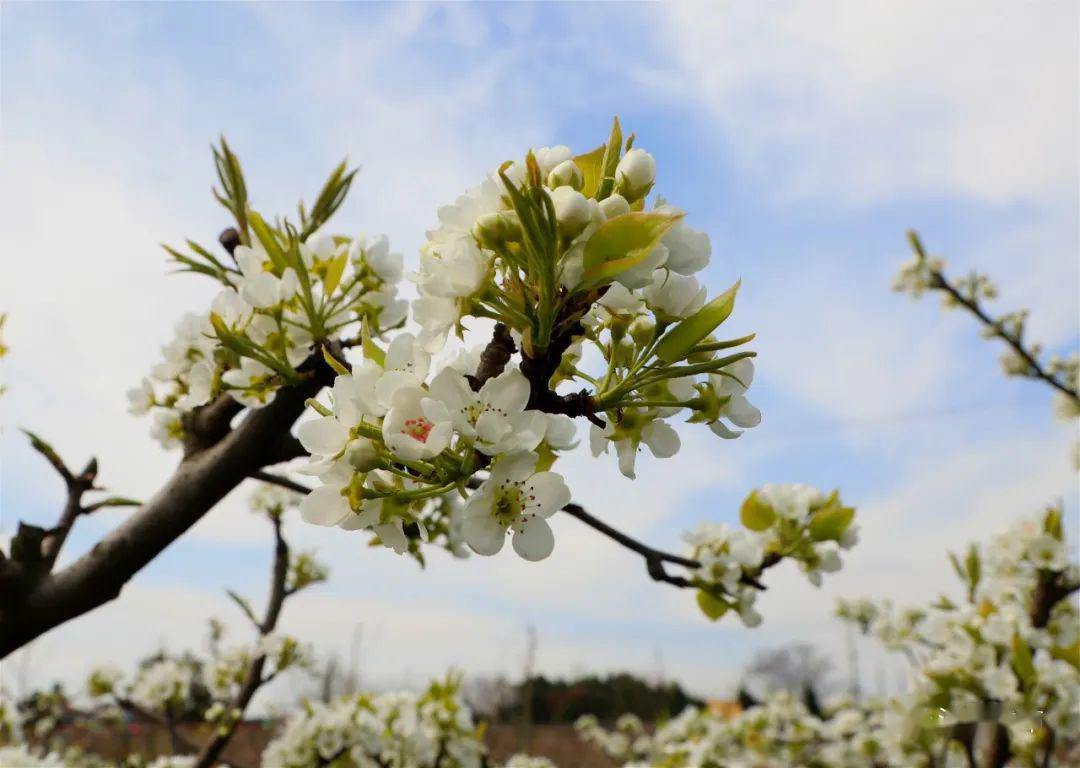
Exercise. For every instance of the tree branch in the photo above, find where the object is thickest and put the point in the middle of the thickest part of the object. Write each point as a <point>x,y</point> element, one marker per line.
<point>254,680</point>
<point>202,479</point>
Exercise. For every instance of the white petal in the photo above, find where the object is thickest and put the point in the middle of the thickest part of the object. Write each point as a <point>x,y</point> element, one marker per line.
<point>561,432</point>
<point>508,392</point>
<point>325,436</point>
<point>550,491</point>
<point>324,506</point>
<point>627,451</point>
<point>534,540</point>
<point>742,413</point>
<point>491,428</point>
<point>662,440</point>
<point>483,535</point>
<point>720,429</point>
<point>513,466</point>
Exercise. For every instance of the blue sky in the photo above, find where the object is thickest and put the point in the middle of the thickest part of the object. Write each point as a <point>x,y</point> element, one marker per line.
<point>805,140</point>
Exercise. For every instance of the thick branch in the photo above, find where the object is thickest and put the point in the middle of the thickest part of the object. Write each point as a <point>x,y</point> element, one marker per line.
<point>201,481</point>
<point>1050,589</point>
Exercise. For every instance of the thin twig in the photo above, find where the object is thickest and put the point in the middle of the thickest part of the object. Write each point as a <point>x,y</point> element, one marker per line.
<point>254,680</point>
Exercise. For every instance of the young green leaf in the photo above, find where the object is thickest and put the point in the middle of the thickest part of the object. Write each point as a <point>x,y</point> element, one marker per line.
<point>372,351</point>
<point>623,242</point>
<point>678,342</point>
<point>711,605</point>
<point>268,240</point>
<point>1022,661</point>
<point>334,270</point>
<point>756,514</point>
<point>830,523</point>
<point>591,166</point>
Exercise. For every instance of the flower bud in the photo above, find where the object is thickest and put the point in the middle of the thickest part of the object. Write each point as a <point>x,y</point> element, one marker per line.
<point>566,174</point>
<point>614,205</point>
<point>572,210</point>
<point>494,230</point>
<point>643,329</point>
<point>363,455</point>
<point>635,174</point>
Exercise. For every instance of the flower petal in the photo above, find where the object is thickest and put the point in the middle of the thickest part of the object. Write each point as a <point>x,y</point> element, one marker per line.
<point>324,437</point>
<point>662,440</point>
<point>324,506</point>
<point>482,533</point>
<point>534,540</point>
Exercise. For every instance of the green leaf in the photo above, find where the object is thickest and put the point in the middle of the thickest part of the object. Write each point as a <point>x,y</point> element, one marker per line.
<point>612,153</point>
<point>830,523</point>
<point>973,567</point>
<point>334,270</point>
<point>1070,654</point>
<point>269,240</point>
<point>623,242</point>
<point>591,166</point>
<point>1022,661</point>
<point>755,514</point>
<point>334,363</point>
<point>245,606</point>
<point>372,351</point>
<point>711,605</point>
<point>1052,523</point>
<point>681,339</point>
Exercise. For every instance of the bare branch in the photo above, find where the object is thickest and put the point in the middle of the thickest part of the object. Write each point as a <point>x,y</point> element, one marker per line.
<point>202,479</point>
<point>254,680</point>
<point>284,482</point>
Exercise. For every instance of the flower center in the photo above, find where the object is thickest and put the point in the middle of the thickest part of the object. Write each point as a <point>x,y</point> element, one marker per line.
<point>418,429</point>
<point>508,506</point>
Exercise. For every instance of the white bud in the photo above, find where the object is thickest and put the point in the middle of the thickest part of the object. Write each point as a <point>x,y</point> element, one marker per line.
<point>572,210</point>
<point>566,174</point>
<point>614,205</point>
<point>635,174</point>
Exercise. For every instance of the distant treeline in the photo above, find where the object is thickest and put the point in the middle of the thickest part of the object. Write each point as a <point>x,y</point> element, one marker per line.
<point>563,701</point>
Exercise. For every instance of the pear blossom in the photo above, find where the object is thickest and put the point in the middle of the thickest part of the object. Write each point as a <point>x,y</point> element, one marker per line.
<point>515,499</point>
<point>494,418</point>
<point>634,430</point>
<point>141,398</point>
<point>674,296</point>
<point>260,287</point>
<point>732,384</point>
<point>416,426</point>
<point>247,383</point>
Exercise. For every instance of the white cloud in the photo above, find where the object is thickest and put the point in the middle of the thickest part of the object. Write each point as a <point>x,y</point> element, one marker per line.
<point>860,101</point>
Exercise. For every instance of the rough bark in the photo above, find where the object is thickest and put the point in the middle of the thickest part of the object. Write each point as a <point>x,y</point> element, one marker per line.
<point>205,475</point>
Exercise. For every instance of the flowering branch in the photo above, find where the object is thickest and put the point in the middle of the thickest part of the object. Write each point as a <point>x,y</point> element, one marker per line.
<point>926,273</point>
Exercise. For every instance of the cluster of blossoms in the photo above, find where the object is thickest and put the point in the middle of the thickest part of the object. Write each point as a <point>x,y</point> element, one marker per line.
<point>777,733</point>
<point>561,253</point>
<point>391,442</point>
<point>1009,654</point>
<point>433,729</point>
<point>779,522</point>
<point>284,293</point>
<point>561,250</point>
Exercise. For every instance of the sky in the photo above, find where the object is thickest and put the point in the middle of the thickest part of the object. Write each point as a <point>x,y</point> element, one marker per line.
<point>804,138</point>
